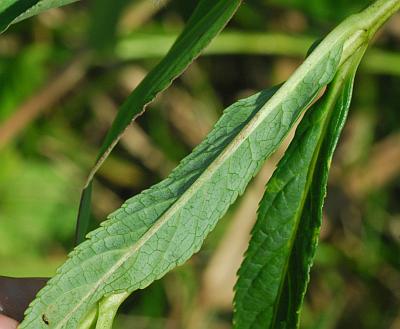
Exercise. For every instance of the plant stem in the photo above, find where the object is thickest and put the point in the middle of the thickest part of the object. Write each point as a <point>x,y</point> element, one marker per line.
<point>108,308</point>
<point>144,46</point>
<point>359,29</point>
<point>373,17</point>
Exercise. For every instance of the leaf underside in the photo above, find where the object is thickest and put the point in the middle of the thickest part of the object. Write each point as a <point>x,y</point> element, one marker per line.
<point>162,227</point>
<point>275,273</point>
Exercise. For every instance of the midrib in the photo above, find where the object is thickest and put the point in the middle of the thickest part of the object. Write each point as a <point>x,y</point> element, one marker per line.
<point>273,103</point>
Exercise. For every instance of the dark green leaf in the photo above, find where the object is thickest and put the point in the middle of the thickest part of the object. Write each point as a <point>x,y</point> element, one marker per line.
<point>13,11</point>
<point>274,275</point>
<point>206,22</point>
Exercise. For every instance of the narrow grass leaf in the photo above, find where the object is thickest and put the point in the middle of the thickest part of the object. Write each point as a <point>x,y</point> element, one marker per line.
<point>206,22</point>
<point>162,227</point>
<point>274,275</point>
<point>13,11</point>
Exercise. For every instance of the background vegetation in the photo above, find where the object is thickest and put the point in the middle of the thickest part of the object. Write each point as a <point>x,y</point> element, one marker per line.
<point>63,75</point>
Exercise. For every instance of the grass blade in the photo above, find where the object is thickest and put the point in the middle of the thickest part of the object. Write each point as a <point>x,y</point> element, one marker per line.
<point>162,227</point>
<point>13,11</point>
<point>206,22</point>
<point>274,275</point>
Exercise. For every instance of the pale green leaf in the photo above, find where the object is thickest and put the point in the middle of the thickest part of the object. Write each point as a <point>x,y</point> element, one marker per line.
<point>163,226</point>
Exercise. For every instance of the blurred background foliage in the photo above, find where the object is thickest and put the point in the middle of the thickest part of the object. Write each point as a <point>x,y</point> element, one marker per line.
<point>63,75</point>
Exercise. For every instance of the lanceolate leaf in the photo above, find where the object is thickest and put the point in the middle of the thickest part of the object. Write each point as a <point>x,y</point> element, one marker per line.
<point>163,226</point>
<point>274,275</point>
<point>206,22</point>
<point>12,11</point>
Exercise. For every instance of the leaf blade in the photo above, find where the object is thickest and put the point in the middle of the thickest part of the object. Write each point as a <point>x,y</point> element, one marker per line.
<point>207,21</point>
<point>274,275</point>
<point>13,11</point>
<point>162,227</point>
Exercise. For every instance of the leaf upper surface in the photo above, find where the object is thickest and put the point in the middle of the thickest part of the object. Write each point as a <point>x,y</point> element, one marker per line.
<point>274,275</point>
<point>163,226</point>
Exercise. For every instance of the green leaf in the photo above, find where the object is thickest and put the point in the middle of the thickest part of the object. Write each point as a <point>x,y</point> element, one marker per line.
<point>13,11</point>
<point>206,22</point>
<point>163,226</point>
<point>275,273</point>
<point>42,6</point>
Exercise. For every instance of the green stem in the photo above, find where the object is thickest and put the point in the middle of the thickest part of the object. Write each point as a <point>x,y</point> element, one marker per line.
<point>108,308</point>
<point>361,27</point>
<point>354,32</point>
<point>373,17</point>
